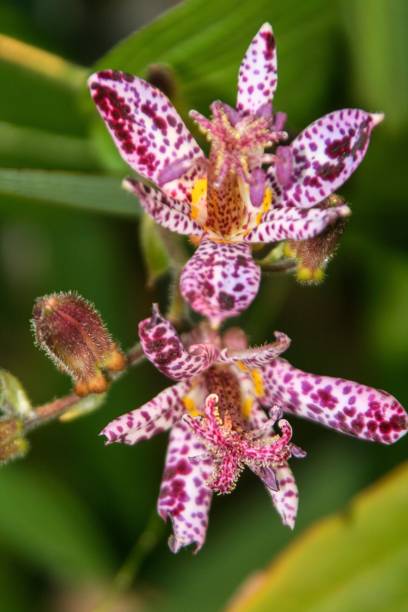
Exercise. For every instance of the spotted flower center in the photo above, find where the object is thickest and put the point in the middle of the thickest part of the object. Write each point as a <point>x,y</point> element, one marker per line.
<point>231,201</point>
<point>232,447</point>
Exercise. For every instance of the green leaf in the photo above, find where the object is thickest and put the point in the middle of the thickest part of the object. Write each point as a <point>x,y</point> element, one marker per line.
<point>154,251</point>
<point>99,194</point>
<point>40,89</point>
<point>44,523</point>
<point>379,45</point>
<point>26,147</point>
<point>355,560</point>
<point>13,397</point>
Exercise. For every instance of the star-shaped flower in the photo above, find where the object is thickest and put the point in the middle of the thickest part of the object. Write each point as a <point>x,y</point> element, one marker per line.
<point>217,413</point>
<point>241,194</point>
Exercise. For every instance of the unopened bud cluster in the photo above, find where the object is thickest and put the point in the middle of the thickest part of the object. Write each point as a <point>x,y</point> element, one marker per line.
<point>69,329</point>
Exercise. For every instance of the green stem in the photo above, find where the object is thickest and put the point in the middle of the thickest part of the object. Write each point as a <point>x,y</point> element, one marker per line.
<point>127,573</point>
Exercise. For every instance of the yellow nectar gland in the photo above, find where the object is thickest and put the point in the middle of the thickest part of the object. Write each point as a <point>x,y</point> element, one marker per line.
<point>266,204</point>
<point>198,195</point>
<point>247,406</point>
<point>190,406</point>
<point>258,382</point>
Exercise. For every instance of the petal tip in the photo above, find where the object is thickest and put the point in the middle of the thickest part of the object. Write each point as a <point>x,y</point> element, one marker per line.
<point>377,118</point>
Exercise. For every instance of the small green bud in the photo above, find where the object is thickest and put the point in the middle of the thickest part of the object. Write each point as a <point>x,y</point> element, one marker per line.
<point>71,332</point>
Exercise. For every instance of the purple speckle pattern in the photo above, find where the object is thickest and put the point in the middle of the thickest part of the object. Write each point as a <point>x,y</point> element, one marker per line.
<point>258,73</point>
<point>326,153</point>
<point>166,211</point>
<point>164,348</point>
<point>288,222</point>
<point>286,497</point>
<point>143,123</point>
<point>220,280</point>
<point>151,419</point>
<point>184,497</point>
<point>347,406</point>
<point>254,357</point>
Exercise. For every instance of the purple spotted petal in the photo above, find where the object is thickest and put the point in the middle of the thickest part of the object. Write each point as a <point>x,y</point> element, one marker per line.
<point>257,78</point>
<point>167,212</point>
<point>290,223</point>
<point>220,280</point>
<point>154,417</point>
<point>343,405</point>
<point>143,123</point>
<point>184,496</point>
<point>326,153</point>
<point>286,498</point>
<point>163,347</point>
<point>258,356</point>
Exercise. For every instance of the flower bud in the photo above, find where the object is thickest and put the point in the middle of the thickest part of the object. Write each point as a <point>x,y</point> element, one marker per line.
<point>312,255</point>
<point>69,329</point>
<point>12,443</point>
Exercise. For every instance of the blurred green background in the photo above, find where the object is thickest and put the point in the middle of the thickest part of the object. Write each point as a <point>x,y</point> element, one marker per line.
<point>71,511</point>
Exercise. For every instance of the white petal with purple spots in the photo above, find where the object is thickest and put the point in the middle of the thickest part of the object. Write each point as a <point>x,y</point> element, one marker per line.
<point>163,347</point>
<point>167,212</point>
<point>258,76</point>
<point>257,356</point>
<point>286,497</point>
<point>344,405</point>
<point>143,123</point>
<point>220,280</point>
<point>154,417</point>
<point>184,496</point>
<point>326,153</point>
<point>284,222</point>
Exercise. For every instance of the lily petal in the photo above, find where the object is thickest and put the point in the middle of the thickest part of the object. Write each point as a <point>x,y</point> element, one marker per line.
<point>347,406</point>
<point>163,347</point>
<point>284,222</point>
<point>220,280</point>
<point>154,417</point>
<point>184,496</point>
<point>257,356</point>
<point>166,211</point>
<point>286,498</point>
<point>326,153</point>
<point>257,78</point>
<point>143,123</point>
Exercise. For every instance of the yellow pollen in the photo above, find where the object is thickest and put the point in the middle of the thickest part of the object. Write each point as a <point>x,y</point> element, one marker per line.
<point>258,383</point>
<point>190,406</point>
<point>247,405</point>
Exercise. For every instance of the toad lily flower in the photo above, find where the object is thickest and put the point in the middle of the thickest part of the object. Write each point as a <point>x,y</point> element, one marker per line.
<point>217,413</point>
<point>241,194</point>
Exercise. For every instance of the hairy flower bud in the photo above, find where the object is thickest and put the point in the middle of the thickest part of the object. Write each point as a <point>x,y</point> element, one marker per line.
<point>69,329</point>
<point>312,255</point>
